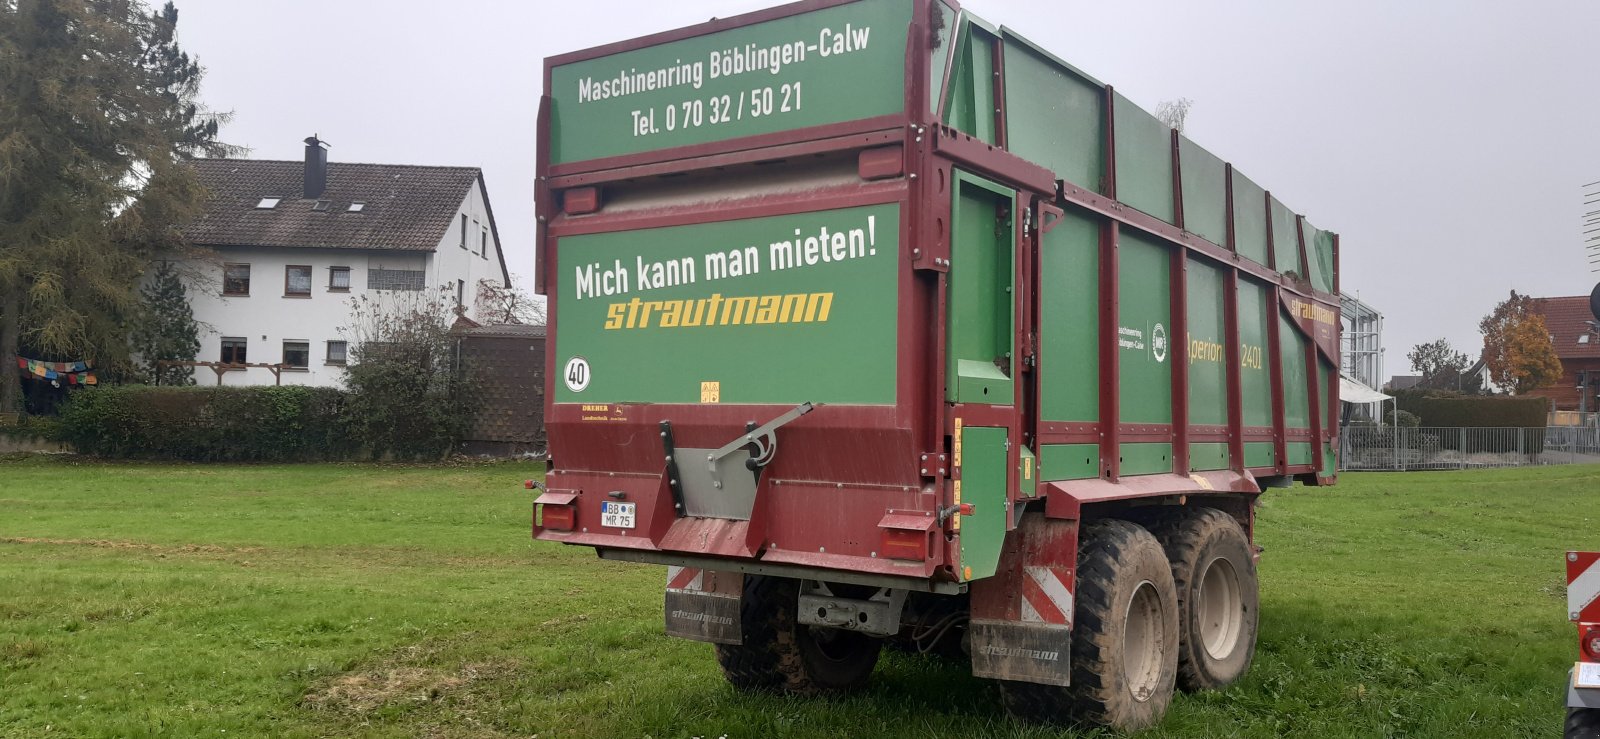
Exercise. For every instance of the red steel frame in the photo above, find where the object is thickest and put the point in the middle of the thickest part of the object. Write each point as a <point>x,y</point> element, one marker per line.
<point>882,459</point>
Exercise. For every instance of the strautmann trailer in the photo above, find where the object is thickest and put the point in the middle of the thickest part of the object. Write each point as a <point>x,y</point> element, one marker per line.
<point>875,322</point>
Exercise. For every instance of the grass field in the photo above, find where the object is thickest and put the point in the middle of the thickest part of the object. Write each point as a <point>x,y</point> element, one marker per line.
<point>146,600</point>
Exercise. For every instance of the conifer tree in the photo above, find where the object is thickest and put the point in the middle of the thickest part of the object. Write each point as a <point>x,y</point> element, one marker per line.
<point>165,329</point>
<point>98,112</point>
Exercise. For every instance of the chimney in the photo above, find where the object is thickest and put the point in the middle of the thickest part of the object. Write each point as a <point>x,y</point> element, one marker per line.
<point>316,168</point>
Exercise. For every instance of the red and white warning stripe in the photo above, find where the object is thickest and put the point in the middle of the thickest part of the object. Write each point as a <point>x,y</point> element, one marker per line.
<point>1583,586</point>
<point>1047,595</point>
<point>685,578</point>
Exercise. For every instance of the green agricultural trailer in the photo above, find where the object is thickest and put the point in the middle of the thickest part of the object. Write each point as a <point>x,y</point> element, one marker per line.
<point>879,324</point>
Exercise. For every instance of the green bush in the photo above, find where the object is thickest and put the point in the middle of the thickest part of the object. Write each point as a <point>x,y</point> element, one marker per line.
<point>1437,408</point>
<point>209,424</point>
<point>47,428</point>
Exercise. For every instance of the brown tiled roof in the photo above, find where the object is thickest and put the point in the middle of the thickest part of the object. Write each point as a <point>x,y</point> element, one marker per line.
<point>502,331</point>
<point>407,208</point>
<point>1567,319</point>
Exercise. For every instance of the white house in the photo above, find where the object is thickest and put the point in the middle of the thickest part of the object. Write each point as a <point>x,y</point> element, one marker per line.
<point>295,241</point>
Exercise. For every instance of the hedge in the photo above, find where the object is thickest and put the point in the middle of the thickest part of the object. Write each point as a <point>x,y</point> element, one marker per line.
<point>1475,411</point>
<point>209,424</point>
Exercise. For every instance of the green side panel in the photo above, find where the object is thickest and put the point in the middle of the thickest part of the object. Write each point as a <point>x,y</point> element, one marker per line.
<point>1296,393</point>
<point>1144,308</point>
<point>1069,312</point>
<point>1255,377</point>
<point>971,105</point>
<point>1208,355</point>
<point>981,278</point>
<point>1146,459</point>
<point>1316,274</point>
<point>1054,117</point>
<point>1323,370</point>
<point>1028,474</point>
<point>944,38</point>
<point>832,65</point>
<point>983,485</point>
<point>1259,454</point>
<point>1330,461</point>
<point>1144,160</point>
<point>1205,191</point>
<point>1069,462</point>
<point>1249,219</point>
<point>1208,456</point>
<point>1299,452</point>
<point>1323,269</point>
<point>1285,238</point>
<point>654,313</point>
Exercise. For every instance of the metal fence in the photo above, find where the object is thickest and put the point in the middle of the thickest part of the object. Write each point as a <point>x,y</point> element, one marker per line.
<point>1431,448</point>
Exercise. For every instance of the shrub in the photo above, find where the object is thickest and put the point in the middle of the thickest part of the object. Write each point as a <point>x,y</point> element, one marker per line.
<point>47,428</point>
<point>410,398</point>
<point>1453,410</point>
<point>209,424</point>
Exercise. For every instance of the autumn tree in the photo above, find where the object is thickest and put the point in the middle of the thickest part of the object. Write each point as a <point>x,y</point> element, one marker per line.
<point>1443,368</point>
<point>98,113</point>
<point>1517,346</point>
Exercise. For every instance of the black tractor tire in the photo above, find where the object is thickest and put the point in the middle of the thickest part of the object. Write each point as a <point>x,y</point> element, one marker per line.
<point>780,654</point>
<point>1219,597</point>
<point>1124,636</point>
<point>1582,723</point>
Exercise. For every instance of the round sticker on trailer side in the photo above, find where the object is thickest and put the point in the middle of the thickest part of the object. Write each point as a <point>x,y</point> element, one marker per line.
<point>576,374</point>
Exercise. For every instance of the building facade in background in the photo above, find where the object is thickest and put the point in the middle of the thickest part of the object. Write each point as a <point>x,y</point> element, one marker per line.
<point>1577,344</point>
<point>296,242</point>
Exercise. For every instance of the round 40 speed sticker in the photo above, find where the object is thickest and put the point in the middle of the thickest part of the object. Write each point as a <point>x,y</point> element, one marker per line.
<point>576,374</point>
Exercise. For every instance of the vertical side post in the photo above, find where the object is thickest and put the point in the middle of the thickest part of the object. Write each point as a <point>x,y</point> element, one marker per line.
<point>1395,433</point>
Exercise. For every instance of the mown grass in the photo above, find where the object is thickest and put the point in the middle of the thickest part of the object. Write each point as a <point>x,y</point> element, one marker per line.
<point>328,600</point>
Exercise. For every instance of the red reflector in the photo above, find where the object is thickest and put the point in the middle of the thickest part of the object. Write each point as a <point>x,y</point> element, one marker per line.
<point>558,517</point>
<point>581,200</point>
<point>1591,645</point>
<point>908,544</point>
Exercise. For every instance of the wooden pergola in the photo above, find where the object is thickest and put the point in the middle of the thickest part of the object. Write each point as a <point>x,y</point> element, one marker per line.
<point>222,367</point>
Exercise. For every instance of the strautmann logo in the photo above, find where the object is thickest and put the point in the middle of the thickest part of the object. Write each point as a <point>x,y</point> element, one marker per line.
<point>718,310</point>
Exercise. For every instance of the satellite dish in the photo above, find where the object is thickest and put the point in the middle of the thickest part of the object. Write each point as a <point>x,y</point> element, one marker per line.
<point>1594,302</point>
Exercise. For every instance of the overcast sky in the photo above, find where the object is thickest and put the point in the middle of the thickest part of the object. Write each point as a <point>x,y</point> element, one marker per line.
<point>1447,141</point>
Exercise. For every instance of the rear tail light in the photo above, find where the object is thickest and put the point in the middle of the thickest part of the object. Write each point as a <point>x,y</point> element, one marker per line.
<point>907,535</point>
<point>556,510</point>
<point>1591,644</point>
<point>906,544</point>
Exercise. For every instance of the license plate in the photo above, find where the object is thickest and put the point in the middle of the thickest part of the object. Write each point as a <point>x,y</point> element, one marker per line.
<point>1586,675</point>
<point>617,515</point>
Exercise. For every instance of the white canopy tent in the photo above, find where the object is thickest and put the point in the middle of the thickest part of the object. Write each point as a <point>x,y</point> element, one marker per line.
<point>1353,391</point>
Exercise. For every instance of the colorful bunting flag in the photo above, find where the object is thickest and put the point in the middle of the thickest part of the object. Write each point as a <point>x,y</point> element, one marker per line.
<point>74,373</point>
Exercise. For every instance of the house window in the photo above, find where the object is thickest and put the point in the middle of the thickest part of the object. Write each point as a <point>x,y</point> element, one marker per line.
<point>236,279</point>
<point>296,354</point>
<point>463,230</point>
<point>483,245</point>
<point>357,207</point>
<point>297,280</point>
<point>461,292</point>
<point>337,352</point>
<point>395,279</point>
<point>233,350</point>
<point>268,203</point>
<point>339,279</point>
